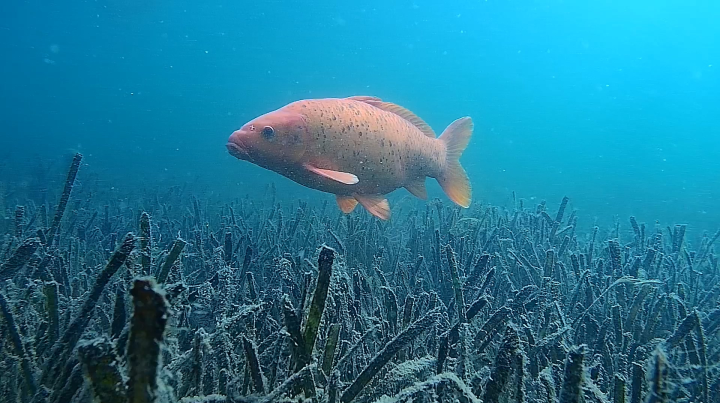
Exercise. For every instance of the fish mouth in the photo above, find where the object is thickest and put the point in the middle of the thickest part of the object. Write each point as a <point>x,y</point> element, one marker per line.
<point>237,151</point>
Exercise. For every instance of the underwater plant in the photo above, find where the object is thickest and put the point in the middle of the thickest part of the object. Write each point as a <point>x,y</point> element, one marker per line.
<point>168,297</point>
<point>3,217</point>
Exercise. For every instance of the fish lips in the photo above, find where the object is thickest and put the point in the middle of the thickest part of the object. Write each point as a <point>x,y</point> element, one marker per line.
<point>237,151</point>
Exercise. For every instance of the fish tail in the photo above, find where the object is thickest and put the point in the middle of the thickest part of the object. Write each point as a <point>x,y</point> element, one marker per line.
<point>453,179</point>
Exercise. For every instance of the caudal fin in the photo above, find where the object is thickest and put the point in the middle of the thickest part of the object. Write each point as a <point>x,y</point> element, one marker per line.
<point>453,179</point>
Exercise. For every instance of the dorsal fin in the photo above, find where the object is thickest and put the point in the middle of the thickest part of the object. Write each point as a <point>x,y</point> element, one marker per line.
<point>398,110</point>
<point>365,98</point>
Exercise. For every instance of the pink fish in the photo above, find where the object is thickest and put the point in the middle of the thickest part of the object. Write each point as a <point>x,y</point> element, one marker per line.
<point>358,148</point>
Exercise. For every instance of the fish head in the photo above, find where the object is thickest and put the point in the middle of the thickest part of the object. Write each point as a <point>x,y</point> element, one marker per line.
<point>276,138</point>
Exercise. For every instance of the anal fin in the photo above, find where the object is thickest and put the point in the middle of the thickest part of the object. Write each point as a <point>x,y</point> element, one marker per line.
<point>376,205</point>
<point>342,177</point>
<point>346,203</point>
<point>417,188</point>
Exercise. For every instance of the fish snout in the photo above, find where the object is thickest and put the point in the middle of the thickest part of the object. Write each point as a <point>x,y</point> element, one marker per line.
<point>236,146</point>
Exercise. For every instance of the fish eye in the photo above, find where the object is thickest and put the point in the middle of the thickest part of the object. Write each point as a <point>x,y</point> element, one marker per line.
<point>268,132</point>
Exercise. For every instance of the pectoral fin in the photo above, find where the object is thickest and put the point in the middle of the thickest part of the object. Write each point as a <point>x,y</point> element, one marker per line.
<point>346,203</point>
<point>342,177</point>
<point>375,205</point>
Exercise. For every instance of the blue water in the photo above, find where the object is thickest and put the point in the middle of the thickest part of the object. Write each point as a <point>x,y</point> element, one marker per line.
<point>612,103</point>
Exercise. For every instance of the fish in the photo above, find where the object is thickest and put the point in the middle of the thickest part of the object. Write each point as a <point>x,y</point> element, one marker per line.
<point>359,148</point>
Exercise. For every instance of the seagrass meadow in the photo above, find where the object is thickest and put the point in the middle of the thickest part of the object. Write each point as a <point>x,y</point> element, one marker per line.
<point>168,297</point>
